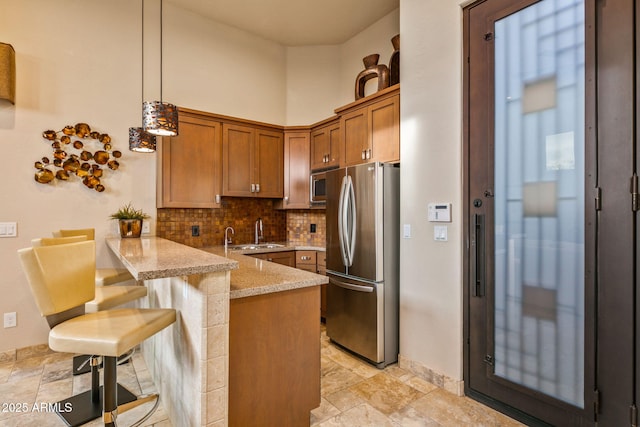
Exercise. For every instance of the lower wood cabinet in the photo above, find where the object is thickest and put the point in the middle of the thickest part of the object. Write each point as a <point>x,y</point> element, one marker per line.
<point>274,358</point>
<point>287,258</point>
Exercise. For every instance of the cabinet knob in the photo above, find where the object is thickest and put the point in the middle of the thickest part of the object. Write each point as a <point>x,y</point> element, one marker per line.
<point>305,258</point>
<point>257,188</point>
<point>253,188</point>
<point>286,199</point>
<point>364,154</point>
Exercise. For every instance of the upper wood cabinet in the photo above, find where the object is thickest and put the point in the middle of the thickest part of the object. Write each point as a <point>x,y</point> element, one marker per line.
<point>189,173</point>
<point>326,145</point>
<point>296,170</point>
<point>252,162</point>
<point>370,128</point>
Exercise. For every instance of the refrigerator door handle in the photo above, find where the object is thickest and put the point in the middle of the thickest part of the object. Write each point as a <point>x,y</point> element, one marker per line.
<point>349,286</point>
<point>353,225</point>
<point>342,221</point>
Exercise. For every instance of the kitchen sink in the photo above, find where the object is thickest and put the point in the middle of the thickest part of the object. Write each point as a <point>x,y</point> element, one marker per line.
<point>250,246</point>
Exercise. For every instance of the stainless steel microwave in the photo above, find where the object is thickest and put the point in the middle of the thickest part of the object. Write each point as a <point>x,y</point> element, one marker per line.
<point>318,188</point>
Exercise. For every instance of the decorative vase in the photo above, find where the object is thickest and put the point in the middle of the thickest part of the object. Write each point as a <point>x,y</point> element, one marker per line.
<point>394,61</point>
<point>130,227</point>
<point>372,70</point>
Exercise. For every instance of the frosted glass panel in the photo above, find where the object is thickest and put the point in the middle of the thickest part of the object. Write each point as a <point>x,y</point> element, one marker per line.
<point>539,199</point>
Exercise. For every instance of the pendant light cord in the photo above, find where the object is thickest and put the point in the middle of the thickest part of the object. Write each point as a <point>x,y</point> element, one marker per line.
<point>161,50</point>
<point>142,38</point>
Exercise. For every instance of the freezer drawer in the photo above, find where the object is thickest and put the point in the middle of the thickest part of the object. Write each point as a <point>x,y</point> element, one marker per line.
<point>355,316</point>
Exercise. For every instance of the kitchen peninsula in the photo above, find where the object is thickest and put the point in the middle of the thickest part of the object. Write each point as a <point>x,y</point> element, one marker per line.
<point>246,342</point>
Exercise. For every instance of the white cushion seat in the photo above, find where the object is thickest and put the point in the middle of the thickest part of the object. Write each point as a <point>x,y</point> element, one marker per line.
<point>109,332</point>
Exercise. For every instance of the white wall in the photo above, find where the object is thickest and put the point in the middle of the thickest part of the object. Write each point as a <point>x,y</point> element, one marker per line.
<point>431,153</point>
<point>322,78</point>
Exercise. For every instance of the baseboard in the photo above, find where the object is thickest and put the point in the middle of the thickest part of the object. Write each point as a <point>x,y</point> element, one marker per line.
<point>438,379</point>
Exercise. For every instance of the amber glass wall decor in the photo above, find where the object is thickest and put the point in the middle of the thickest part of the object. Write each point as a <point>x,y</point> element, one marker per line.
<point>78,152</point>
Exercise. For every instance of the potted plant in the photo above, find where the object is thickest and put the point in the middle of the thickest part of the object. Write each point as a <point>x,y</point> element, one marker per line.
<point>130,220</point>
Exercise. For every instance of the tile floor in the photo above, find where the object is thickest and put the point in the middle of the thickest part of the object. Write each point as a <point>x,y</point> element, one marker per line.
<point>353,394</point>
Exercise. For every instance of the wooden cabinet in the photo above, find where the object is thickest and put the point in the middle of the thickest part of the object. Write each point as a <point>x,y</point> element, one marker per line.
<point>274,358</point>
<point>370,128</point>
<point>306,260</point>
<point>296,170</point>
<point>287,258</point>
<point>325,145</point>
<point>189,172</point>
<point>252,162</point>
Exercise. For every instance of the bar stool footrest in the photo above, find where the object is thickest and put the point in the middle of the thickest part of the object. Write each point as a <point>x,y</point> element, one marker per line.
<point>79,409</point>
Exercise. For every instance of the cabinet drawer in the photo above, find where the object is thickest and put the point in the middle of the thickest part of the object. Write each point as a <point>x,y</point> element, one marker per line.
<point>306,257</point>
<point>307,267</point>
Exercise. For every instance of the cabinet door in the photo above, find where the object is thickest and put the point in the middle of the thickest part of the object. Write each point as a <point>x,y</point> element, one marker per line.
<point>320,148</point>
<point>296,170</point>
<point>384,130</point>
<point>237,160</point>
<point>269,164</point>
<point>190,174</point>
<point>353,128</point>
<point>335,145</point>
<point>287,258</point>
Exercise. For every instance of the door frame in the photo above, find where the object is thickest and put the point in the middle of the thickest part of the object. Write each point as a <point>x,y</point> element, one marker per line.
<point>582,417</point>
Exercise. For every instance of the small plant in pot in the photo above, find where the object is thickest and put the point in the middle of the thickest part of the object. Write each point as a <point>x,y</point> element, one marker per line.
<point>130,220</point>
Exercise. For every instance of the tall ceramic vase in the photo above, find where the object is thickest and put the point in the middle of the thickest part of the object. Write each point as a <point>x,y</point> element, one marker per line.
<point>371,70</point>
<point>394,61</point>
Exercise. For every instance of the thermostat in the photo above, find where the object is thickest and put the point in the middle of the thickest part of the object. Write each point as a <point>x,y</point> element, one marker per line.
<point>440,212</point>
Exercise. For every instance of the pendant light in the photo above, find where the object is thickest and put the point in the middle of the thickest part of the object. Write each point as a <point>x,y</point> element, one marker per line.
<point>7,73</point>
<point>158,117</point>
<point>139,140</point>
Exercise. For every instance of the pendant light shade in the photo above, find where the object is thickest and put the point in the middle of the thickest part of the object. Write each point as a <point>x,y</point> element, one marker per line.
<point>160,118</point>
<point>141,141</point>
<point>7,73</point>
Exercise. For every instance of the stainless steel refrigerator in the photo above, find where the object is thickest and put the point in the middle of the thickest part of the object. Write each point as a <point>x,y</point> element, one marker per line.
<point>363,204</point>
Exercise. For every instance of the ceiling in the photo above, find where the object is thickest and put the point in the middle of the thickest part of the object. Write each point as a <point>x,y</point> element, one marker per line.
<point>295,22</point>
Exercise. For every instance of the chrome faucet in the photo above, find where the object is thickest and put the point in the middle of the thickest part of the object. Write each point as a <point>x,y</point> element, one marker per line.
<point>227,239</point>
<point>259,231</point>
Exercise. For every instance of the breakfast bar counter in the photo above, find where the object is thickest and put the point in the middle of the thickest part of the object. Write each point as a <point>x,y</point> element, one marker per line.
<point>239,318</point>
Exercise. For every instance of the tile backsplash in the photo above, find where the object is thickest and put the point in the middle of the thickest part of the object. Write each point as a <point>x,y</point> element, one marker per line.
<point>299,227</point>
<point>241,213</point>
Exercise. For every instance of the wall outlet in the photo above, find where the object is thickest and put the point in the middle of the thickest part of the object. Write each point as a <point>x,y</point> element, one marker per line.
<point>195,230</point>
<point>10,320</point>
<point>146,228</point>
<point>313,228</point>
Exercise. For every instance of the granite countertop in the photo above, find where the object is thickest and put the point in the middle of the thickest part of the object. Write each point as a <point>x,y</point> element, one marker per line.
<point>256,277</point>
<point>154,258</point>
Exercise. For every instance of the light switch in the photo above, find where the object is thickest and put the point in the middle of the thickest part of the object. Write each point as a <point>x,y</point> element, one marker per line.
<point>406,231</point>
<point>8,229</point>
<point>440,233</point>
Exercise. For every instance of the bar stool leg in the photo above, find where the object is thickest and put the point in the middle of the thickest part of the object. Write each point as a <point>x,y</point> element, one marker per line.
<point>110,396</point>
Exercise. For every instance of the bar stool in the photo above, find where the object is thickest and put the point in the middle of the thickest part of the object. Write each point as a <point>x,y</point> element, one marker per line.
<point>106,297</point>
<point>104,276</point>
<point>61,279</point>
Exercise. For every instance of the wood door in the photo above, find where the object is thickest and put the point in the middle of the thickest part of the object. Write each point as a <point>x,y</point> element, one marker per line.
<point>320,148</point>
<point>355,136</point>
<point>296,170</point>
<point>335,145</point>
<point>384,130</point>
<point>268,172</point>
<point>530,221</point>
<point>193,157</point>
<point>238,160</point>
<point>326,147</point>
